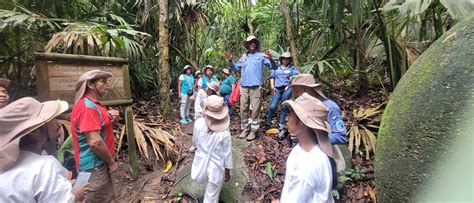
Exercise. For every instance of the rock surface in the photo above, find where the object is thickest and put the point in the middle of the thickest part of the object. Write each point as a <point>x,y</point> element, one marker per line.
<point>231,191</point>
<point>424,114</point>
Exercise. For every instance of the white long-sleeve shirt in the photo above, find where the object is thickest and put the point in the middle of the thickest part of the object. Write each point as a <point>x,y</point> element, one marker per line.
<point>35,178</point>
<point>201,97</point>
<point>308,176</point>
<point>213,153</point>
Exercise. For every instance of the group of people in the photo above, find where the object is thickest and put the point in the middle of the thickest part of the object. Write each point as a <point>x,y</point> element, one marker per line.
<point>29,174</point>
<point>197,88</point>
<point>312,121</point>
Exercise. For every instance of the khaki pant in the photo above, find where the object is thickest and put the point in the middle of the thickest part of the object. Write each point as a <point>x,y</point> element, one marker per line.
<point>101,186</point>
<point>250,96</point>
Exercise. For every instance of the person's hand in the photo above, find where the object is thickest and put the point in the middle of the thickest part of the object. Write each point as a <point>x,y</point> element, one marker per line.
<point>274,90</point>
<point>268,54</point>
<point>113,166</point>
<point>227,175</point>
<point>228,55</point>
<point>80,191</point>
<point>114,115</point>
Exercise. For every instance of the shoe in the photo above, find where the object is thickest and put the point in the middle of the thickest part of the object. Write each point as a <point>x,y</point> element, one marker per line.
<point>183,121</point>
<point>252,135</point>
<point>244,134</point>
<point>282,134</point>
<point>189,120</point>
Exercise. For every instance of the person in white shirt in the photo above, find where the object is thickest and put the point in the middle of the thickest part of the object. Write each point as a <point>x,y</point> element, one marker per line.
<point>213,158</point>
<point>310,168</point>
<point>211,89</point>
<point>25,174</point>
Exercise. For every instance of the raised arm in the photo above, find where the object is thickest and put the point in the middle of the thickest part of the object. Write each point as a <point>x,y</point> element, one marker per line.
<point>234,67</point>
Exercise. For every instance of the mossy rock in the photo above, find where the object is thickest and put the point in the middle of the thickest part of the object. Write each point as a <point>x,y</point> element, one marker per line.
<point>423,116</point>
<point>231,191</point>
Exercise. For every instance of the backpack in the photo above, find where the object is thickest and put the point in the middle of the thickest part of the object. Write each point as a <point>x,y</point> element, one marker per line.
<point>235,94</point>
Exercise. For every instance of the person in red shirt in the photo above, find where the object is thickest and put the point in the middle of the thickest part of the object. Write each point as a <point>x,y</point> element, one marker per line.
<point>93,136</point>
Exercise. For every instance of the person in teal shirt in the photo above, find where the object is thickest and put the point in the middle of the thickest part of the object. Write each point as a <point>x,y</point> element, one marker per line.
<point>185,91</point>
<point>207,78</point>
<point>226,85</point>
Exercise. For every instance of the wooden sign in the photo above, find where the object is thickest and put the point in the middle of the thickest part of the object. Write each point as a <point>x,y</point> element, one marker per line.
<point>57,75</point>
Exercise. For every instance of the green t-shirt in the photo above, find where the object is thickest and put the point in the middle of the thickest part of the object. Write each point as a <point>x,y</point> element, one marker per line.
<point>226,85</point>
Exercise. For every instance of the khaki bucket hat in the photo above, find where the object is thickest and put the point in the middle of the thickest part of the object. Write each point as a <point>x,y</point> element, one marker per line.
<point>82,82</point>
<point>20,118</point>
<point>226,71</point>
<point>307,80</point>
<point>4,82</point>
<point>313,113</point>
<point>214,86</point>
<point>216,114</point>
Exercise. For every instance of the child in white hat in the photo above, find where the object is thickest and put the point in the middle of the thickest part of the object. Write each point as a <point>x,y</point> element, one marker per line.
<point>213,158</point>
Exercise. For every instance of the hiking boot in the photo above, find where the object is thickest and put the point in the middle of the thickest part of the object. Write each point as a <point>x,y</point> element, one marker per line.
<point>282,134</point>
<point>244,133</point>
<point>189,120</point>
<point>183,121</point>
<point>252,135</point>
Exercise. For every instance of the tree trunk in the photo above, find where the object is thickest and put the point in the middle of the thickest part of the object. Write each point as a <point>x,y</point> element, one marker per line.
<point>289,31</point>
<point>360,60</point>
<point>163,61</point>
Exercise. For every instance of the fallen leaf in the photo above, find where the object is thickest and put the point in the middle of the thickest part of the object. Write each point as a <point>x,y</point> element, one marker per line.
<point>168,166</point>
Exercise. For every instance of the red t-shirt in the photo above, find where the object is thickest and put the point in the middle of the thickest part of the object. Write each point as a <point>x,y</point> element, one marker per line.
<point>88,115</point>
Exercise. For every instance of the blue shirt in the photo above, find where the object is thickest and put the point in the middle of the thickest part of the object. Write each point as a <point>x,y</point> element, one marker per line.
<point>252,68</point>
<point>187,83</point>
<point>205,81</point>
<point>282,77</point>
<point>338,133</point>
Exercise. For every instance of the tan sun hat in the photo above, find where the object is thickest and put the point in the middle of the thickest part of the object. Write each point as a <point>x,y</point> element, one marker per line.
<point>216,114</point>
<point>307,80</point>
<point>82,82</point>
<point>213,86</point>
<point>4,82</point>
<point>226,71</point>
<point>20,118</point>
<point>186,67</point>
<point>313,113</point>
<point>285,55</point>
<point>251,38</point>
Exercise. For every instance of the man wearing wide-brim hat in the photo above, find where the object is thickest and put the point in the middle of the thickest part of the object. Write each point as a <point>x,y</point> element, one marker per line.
<point>310,169</point>
<point>4,97</point>
<point>26,175</point>
<point>213,158</point>
<point>306,83</point>
<point>207,78</point>
<point>93,136</point>
<point>250,65</point>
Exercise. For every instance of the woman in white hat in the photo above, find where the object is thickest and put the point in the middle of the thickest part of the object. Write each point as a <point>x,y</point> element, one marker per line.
<point>227,84</point>
<point>185,91</point>
<point>280,82</point>
<point>310,169</point>
<point>4,97</point>
<point>207,78</point>
<point>26,175</point>
<point>213,158</point>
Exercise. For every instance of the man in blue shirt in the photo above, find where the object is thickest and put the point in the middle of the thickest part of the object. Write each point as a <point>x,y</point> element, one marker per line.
<point>280,81</point>
<point>251,67</point>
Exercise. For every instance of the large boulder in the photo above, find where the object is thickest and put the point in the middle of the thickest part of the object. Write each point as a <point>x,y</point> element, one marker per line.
<point>424,115</point>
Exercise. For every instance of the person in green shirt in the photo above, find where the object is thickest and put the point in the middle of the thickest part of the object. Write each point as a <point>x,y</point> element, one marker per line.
<point>227,84</point>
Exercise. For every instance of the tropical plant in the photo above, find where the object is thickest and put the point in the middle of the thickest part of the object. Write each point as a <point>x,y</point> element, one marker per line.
<point>360,133</point>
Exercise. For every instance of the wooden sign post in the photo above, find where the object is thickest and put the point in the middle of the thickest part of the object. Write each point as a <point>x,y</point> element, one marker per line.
<point>57,75</point>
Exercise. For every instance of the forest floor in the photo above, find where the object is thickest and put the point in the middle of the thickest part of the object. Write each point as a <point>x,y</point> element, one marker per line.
<point>153,184</point>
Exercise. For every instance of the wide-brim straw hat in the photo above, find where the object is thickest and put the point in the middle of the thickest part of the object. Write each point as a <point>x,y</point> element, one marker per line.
<point>216,114</point>
<point>285,55</point>
<point>4,82</point>
<point>81,84</point>
<point>226,71</point>
<point>185,68</point>
<point>313,113</point>
<point>251,38</point>
<point>20,118</point>
<point>307,80</point>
